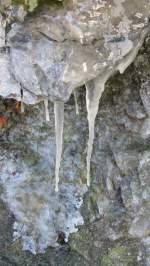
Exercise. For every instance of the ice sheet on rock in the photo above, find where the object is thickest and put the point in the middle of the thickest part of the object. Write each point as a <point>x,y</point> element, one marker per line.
<point>68,65</point>
<point>93,19</point>
<point>84,64</point>
<point>59,125</point>
<point>87,62</point>
<point>130,56</point>
<point>88,38</point>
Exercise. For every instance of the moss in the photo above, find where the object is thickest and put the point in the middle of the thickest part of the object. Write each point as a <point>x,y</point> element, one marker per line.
<point>31,5</point>
<point>80,242</point>
<point>120,256</point>
<point>31,159</point>
<point>81,235</point>
<point>96,192</point>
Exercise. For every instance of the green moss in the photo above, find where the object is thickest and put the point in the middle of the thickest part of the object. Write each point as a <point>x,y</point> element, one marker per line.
<point>31,5</point>
<point>120,256</point>
<point>80,241</point>
<point>81,235</point>
<point>31,159</point>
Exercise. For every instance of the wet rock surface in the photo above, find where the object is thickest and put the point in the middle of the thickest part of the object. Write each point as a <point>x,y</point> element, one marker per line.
<point>58,49</point>
<point>115,209</point>
<point>109,223</point>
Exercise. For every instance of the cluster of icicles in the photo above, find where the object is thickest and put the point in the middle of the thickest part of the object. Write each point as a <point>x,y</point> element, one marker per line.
<point>93,94</point>
<point>92,102</point>
<point>94,90</point>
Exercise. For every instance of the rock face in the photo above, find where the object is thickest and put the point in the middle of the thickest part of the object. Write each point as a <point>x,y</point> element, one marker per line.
<point>59,49</point>
<point>47,56</point>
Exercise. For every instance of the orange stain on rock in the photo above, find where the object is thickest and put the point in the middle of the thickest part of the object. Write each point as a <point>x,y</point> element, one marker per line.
<point>18,107</point>
<point>3,121</point>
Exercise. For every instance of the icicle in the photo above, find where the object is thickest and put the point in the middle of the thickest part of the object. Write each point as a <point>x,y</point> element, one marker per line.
<point>127,60</point>
<point>22,103</point>
<point>93,94</point>
<point>22,107</point>
<point>85,67</point>
<point>94,90</point>
<point>76,103</point>
<point>59,122</point>
<point>46,110</point>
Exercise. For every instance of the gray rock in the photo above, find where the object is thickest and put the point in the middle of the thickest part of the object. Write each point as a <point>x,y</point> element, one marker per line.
<point>109,223</point>
<point>76,45</point>
<point>145,95</point>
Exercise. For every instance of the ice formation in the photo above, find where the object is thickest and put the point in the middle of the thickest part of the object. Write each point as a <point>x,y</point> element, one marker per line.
<point>46,110</point>
<point>50,56</point>
<point>92,103</point>
<point>76,103</point>
<point>94,90</point>
<point>59,124</point>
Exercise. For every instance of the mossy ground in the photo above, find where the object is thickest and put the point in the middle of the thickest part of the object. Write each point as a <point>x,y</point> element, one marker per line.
<point>31,5</point>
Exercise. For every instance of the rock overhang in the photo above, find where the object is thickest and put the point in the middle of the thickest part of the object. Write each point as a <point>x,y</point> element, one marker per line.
<point>58,49</point>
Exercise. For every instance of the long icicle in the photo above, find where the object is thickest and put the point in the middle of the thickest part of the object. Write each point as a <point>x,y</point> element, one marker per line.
<point>93,95</point>
<point>59,124</point>
<point>76,103</point>
<point>46,109</point>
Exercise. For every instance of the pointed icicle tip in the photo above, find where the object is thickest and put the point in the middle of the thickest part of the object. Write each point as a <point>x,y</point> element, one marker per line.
<point>46,110</point>
<point>59,125</point>
<point>22,107</point>
<point>93,95</point>
<point>56,188</point>
<point>88,181</point>
<point>76,103</point>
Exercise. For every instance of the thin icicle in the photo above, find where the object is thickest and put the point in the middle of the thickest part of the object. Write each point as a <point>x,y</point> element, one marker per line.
<point>59,123</point>
<point>76,103</point>
<point>46,109</point>
<point>93,94</point>
<point>85,67</point>
<point>22,107</point>
<point>94,90</point>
